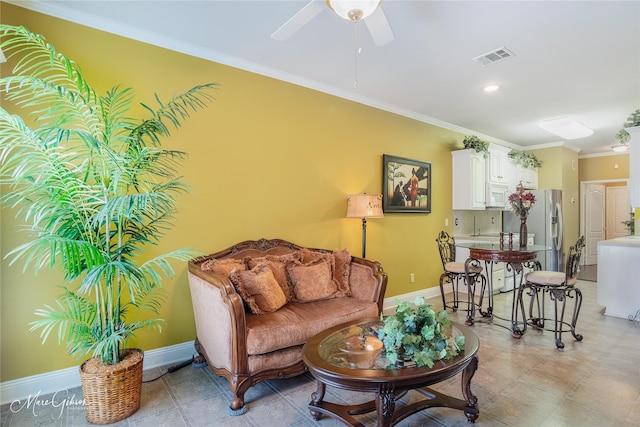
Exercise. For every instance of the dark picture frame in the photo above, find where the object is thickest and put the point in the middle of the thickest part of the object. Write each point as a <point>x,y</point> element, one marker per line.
<point>406,185</point>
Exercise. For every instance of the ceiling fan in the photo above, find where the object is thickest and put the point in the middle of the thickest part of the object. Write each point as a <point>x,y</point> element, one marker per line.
<point>368,11</point>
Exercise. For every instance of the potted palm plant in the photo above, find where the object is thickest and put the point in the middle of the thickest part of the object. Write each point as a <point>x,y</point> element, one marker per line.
<point>96,187</point>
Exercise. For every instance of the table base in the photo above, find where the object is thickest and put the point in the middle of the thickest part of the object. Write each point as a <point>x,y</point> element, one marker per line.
<point>516,266</point>
<point>385,400</point>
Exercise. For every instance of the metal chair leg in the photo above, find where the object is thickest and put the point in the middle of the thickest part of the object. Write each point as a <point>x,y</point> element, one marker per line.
<point>443,276</point>
<point>576,312</point>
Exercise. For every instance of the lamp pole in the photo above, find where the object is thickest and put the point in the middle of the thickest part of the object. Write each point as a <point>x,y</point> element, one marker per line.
<point>364,237</point>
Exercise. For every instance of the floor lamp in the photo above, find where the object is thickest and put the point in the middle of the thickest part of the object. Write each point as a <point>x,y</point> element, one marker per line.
<point>364,206</point>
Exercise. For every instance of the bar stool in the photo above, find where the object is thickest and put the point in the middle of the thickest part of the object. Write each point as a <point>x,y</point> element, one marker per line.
<point>560,287</point>
<point>454,273</point>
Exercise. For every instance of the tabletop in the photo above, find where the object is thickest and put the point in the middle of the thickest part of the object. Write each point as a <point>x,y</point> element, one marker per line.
<point>507,248</point>
<point>496,252</point>
<point>319,351</point>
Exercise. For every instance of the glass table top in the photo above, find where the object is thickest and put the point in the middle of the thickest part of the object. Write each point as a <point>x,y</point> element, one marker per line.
<point>498,247</point>
<point>357,347</point>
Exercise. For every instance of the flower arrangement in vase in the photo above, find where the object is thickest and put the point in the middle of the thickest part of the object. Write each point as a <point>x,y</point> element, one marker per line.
<point>521,202</point>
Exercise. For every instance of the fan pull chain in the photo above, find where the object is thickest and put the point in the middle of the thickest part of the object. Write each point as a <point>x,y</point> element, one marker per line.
<point>357,51</point>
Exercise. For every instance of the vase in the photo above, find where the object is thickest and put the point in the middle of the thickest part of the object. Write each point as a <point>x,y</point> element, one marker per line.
<point>523,231</point>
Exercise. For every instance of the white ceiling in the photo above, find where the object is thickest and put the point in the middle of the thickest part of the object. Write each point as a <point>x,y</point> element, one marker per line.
<point>578,59</point>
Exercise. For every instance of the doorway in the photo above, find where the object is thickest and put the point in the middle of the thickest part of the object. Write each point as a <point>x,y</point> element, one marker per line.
<point>603,204</point>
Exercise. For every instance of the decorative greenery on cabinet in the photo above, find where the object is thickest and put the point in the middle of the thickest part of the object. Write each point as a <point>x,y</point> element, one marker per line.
<point>477,144</point>
<point>632,121</point>
<point>525,159</point>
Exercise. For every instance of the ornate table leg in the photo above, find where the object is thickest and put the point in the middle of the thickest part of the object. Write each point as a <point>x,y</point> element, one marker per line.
<point>488,268</point>
<point>471,399</point>
<point>316,399</point>
<point>385,404</point>
<point>517,302</point>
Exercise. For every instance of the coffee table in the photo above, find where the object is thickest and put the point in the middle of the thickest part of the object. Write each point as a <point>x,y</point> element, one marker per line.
<point>331,362</point>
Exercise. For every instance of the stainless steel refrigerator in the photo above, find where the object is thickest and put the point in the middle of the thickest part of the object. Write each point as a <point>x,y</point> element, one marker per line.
<point>545,221</point>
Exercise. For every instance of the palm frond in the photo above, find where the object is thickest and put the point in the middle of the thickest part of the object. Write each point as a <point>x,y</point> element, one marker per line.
<point>180,106</point>
<point>74,318</point>
<point>75,256</point>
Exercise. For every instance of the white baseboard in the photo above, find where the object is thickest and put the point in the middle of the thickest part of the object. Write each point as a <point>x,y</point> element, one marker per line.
<point>68,378</point>
<point>392,302</point>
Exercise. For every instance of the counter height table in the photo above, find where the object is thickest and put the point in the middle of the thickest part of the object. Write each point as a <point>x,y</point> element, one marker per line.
<point>516,258</point>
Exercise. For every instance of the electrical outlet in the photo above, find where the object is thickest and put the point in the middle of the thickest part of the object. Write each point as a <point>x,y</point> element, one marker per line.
<point>412,278</point>
<point>446,222</point>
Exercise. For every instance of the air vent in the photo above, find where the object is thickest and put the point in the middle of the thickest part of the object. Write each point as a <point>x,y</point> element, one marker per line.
<point>494,56</point>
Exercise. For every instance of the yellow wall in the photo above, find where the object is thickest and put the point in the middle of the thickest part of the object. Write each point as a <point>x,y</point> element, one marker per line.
<point>267,159</point>
<point>604,168</point>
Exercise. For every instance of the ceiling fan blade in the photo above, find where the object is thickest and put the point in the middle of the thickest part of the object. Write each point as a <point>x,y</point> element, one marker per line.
<point>299,20</point>
<point>379,27</point>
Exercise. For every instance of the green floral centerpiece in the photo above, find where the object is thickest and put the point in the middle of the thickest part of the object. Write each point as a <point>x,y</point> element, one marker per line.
<point>417,333</point>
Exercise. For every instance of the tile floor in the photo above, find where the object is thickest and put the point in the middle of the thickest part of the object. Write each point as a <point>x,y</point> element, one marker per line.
<point>521,383</point>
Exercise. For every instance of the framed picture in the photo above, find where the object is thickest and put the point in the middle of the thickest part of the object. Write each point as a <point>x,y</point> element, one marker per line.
<point>406,185</point>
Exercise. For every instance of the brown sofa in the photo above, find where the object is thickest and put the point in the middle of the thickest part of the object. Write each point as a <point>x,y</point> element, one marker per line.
<point>230,286</point>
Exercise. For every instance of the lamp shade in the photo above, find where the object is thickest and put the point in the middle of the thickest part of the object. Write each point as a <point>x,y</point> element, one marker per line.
<point>353,9</point>
<point>364,206</point>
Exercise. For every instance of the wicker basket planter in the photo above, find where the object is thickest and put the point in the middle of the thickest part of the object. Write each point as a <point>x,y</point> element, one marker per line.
<point>112,392</point>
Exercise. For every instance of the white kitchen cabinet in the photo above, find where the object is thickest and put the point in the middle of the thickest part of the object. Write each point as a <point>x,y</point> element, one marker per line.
<point>617,285</point>
<point>528,177</point>
<point>468,180</point>
<point>497,165</point>
<point>512,181</point>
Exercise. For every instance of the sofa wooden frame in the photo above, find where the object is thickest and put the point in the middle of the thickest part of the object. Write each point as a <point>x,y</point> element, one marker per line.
<point>235,366</point>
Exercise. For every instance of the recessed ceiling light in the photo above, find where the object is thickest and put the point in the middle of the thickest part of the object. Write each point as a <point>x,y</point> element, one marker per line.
<point>491,88</point>
<point>566,128</point>
<point>620,148</point>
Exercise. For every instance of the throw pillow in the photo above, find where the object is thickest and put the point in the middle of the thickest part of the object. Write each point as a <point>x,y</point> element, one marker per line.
<point>223,266</point>
<point>259,289</point>
<point>310,256</point>
<point>343,270</point>
<point>277,263</point>
<point>312,282</point>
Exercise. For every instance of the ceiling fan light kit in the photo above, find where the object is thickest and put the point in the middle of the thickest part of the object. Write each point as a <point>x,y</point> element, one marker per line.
<point>353,10</point>
<point>566,128</point>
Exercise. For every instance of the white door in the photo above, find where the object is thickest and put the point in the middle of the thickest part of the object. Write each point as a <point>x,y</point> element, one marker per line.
<point>617,211</point>
<point>594,221</point>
